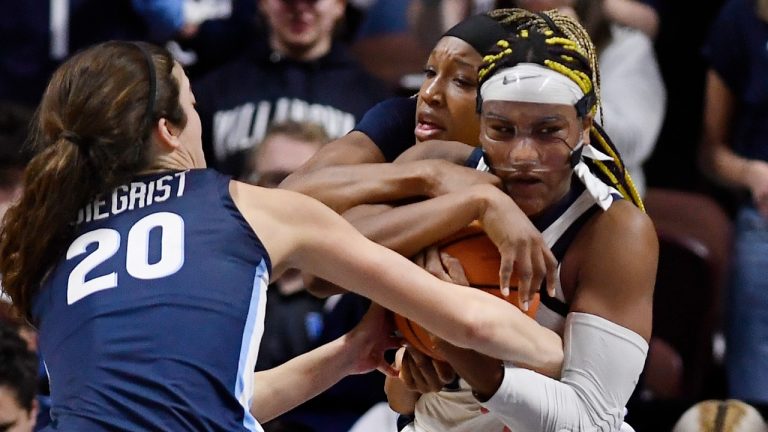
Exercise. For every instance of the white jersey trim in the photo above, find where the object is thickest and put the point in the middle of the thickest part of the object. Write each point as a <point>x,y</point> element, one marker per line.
<point>249,349</point>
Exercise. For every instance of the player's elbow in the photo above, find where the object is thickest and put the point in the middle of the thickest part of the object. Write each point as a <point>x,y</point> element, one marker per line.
<point>549,356</point>
<point>478,330</point>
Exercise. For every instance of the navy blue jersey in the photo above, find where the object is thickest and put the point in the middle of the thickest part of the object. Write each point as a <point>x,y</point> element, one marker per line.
<point>153,318</point>
<point>390,125</point>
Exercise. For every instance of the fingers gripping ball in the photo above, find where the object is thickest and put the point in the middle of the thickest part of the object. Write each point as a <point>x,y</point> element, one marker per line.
<point>480,260</point>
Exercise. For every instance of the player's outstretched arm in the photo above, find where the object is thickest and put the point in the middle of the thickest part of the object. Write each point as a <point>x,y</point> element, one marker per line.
<point>299,232</point>
<point>301,378</point>
<point>349,171</point>
<point>410,228</point>
<point>605,337</point>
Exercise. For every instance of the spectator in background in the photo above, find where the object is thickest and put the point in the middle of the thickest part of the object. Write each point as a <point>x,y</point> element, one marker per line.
<point>638,14</point>
<point>298,73</point>
<point>674,161</point>
<point>18,381</point>
<point>433,17</point>
<point>385,30</point>
<point>180,18</point>
<point>14,122</point>
<point>201,34</point>
<point>286,146</point>
<point>734,152</point>
<point>36,36</point>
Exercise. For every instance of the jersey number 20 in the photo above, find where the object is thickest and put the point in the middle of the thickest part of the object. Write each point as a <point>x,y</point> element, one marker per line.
<point>137,254</point>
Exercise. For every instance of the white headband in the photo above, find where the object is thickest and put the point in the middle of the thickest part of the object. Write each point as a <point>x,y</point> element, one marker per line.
<point>530,82</point>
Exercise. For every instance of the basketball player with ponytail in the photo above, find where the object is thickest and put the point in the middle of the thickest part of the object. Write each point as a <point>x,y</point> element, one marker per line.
<point>538,95</point>
<point>146,273</point>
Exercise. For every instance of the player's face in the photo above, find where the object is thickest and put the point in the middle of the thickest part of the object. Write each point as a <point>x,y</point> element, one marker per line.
<point>299,25</point>
<point>191,135</point>
<point>14,418</point>
<point>445,108</point>
<point>528,145</point>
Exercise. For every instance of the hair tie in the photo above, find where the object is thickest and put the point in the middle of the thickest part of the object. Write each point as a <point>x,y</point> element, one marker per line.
<point>551,23</point>
<point>71,137</point>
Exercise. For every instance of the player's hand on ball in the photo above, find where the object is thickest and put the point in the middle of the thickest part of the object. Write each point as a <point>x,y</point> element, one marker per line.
<point>523,250</point>
<point>370,339</point>
<point>441,265</point>
<point>422,373</point>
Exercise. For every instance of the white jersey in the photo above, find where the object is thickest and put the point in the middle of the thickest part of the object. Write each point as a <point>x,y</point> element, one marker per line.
<point>458,410</point>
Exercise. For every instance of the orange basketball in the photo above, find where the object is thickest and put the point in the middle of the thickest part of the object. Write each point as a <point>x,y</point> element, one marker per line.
<point>480,260</point>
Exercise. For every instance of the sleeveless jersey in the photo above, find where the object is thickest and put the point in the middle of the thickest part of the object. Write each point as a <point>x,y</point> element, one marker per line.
<point>455,409</point>
<point>390,125</point>
<point>153,318</point>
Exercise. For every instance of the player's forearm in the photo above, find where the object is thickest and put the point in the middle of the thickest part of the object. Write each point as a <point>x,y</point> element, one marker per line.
<point>410,228</point>
<point>603,364</point>
<point>284,387</point>
<point>485,374</point>
<point>451,151</point>
<point>346,186</point>
<point>533,346</point>
<point>463,316</point>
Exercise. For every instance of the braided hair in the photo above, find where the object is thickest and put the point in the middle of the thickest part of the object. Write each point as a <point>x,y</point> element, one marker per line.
<point>561,44</point>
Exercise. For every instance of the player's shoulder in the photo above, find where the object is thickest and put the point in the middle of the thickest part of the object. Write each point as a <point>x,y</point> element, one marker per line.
<point>623,226</point>
<point>625,216</point>
<point>275,202</point>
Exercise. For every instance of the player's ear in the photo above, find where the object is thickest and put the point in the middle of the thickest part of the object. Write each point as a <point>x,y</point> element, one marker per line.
<point>166,135</point>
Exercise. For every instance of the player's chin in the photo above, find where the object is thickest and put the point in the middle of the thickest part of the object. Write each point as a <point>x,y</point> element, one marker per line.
<point>525,190</point>
<point>434,134</point>
<point>531,205</point>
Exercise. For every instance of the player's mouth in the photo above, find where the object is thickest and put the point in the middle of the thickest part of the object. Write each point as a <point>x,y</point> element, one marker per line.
<point>428,127</point>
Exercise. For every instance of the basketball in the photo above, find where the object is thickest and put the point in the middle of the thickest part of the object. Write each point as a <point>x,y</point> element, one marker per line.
<point>480,260</point>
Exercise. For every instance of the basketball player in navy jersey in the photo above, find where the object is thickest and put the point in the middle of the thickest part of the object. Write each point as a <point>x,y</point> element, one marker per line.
<point>145,273</point>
